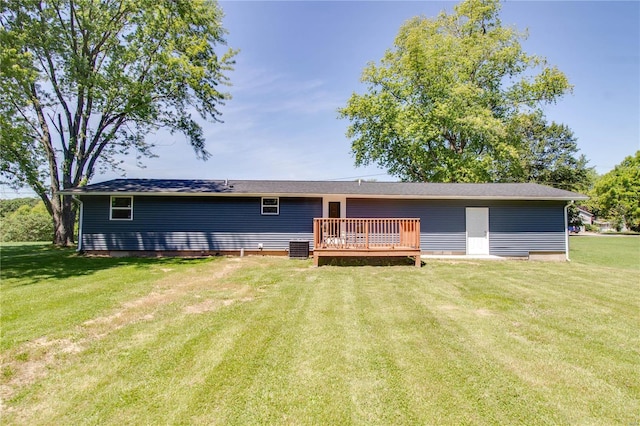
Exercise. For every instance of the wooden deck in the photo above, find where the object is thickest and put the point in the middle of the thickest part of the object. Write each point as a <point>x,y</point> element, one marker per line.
<point>366,237</point>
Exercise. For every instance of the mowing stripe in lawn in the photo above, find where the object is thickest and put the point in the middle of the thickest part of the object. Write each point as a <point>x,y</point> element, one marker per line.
<point>274,341</point>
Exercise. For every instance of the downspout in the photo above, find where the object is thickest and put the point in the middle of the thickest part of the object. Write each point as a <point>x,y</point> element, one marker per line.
<point>79,249</point>
<point>566,230</point>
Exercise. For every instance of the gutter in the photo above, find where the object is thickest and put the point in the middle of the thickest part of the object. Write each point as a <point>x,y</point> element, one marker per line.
<point>81,212</point>
<point>566,230</point>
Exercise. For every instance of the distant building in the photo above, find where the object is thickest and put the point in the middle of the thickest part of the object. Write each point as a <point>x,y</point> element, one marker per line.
<point>586,217</point>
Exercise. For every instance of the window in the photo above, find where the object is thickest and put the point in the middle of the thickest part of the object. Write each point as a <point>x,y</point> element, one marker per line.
<point>270,205</point>
<point>121,208</point>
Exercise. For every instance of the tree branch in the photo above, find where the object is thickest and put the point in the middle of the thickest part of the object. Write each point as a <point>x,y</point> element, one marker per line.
<point>26,118</point>
<point>98,150</point>
<point>50,70</point>
<point>45,140</point>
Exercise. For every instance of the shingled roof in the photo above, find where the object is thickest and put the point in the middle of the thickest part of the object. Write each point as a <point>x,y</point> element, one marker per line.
<point>512,191</point>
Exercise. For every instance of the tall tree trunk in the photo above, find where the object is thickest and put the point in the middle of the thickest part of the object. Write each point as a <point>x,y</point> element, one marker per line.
<point>64,218</point>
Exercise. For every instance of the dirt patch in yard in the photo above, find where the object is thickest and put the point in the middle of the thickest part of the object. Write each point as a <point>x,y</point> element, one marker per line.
<point>210,305</point>
<point>166,291</point>
<point>33,360</point>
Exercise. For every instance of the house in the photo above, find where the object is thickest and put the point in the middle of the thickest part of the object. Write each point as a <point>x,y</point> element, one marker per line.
<point>586,218</point>
<point>604,225</point>
<point>150,216</point>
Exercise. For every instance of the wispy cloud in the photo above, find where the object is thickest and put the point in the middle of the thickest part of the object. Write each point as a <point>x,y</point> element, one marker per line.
<point>261,90</point>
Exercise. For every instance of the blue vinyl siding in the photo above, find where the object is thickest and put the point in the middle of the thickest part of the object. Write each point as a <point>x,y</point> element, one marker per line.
<point>517,230</point>
<point>233,223</point>
<point>191,241</point>
<point>198,223</point>
<point>442,223</point>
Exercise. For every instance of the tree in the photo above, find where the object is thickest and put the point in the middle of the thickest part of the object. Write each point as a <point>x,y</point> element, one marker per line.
<point>549,155</point>
<point>573,216</point>
<point>11,205</point>
<point>444,102</point>
<point>85,81</point>
<point>616,195</point>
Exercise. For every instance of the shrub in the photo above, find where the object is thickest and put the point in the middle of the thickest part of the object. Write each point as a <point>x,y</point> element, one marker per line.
<point>27,223</point>
<point>591,228</point>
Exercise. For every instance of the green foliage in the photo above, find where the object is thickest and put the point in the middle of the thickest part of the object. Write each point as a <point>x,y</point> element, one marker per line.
<point>616,195</point>
<point>549,155</point>
<point>84,82</point>
<point>26,219</point>
<point>441,105</point>
<point>591,228</point>
<point>573,215</point>
<point>11,205</point>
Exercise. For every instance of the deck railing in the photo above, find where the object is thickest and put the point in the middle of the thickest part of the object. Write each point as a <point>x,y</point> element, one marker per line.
<point>366,234</point>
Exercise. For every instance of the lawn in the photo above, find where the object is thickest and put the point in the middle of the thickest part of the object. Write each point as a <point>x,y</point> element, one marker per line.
<point>263,340</point>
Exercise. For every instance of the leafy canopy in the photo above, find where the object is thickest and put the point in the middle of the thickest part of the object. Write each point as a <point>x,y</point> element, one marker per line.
<point>85,81</point>
<point>445,104</point>
<point>549,155</point>
<point>616,195</point>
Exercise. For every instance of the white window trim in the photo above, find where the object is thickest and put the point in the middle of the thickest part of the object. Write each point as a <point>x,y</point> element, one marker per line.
<point>277,206</point>
<point>111,208</point>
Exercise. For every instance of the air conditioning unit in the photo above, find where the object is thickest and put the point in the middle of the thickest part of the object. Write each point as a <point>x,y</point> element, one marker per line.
<point>298,249</point>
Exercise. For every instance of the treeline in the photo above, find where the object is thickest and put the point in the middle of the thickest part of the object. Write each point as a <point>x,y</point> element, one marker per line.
<point>615,196</point>
<point>25,219</point>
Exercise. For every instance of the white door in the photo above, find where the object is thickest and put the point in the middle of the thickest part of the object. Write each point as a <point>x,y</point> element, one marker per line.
<point>477,230</point>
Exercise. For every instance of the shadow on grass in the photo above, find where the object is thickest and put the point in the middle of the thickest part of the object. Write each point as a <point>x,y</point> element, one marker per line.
<point>366,261</point>
<point>30,263</point>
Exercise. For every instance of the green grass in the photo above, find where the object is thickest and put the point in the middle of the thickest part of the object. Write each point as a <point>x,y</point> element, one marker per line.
<point>275,341</point>
<point>46,290</point>
<point>614,251</point>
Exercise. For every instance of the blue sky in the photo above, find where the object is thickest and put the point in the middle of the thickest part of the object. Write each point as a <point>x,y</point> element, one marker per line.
<point>300,61</point>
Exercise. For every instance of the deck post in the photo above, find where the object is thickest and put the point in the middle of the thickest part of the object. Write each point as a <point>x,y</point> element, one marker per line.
<point>316,237</point>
